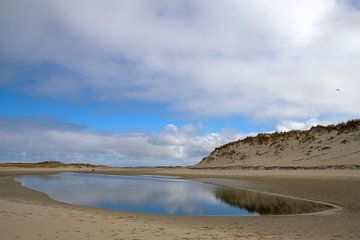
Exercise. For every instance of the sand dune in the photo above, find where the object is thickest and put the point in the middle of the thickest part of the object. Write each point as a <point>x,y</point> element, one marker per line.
<point>334,146</point>
<point>321,164</point>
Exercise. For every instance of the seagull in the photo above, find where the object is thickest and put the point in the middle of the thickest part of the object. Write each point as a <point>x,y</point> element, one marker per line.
<point>338,90</point>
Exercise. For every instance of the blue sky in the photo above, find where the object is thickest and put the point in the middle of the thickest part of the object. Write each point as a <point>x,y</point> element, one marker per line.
<point>117,117</point>
<point>163,83</point>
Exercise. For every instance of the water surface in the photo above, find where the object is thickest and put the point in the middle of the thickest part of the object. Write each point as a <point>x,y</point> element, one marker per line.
<point>160,195</point>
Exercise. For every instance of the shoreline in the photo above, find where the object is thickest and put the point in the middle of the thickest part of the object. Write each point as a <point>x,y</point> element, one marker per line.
<point>152,226</point>
<point>221,182</point>
<point>196,172</point>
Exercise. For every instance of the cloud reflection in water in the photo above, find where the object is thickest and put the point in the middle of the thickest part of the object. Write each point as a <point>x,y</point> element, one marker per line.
<point>162,195</point>
<point>134,193</point>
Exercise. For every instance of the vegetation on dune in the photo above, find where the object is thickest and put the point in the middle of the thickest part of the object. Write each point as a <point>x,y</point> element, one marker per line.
<point>50,164</point>
<point>263,138</point>
<point>292,148</point>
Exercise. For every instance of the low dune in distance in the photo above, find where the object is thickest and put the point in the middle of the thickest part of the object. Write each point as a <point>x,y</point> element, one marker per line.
<point>49,164</point>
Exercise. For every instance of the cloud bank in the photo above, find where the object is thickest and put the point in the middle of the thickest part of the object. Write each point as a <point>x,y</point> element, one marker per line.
<point>29,140</point>
<point>270,60</point>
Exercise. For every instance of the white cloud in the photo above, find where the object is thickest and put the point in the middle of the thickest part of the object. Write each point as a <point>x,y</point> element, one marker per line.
<point>24,139</point>
<point>285,126</point>
<point>280,60</point>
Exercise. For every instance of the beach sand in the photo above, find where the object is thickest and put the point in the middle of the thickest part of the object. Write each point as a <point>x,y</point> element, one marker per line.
<point>27,214</point>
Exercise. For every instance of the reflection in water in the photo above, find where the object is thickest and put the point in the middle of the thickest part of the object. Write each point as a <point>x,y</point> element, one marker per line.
<point>161,195</point>
<point>267,204</point>
<point>147,194</point>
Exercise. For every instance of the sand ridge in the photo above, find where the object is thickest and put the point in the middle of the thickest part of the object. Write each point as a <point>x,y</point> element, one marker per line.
<point>321,147</point>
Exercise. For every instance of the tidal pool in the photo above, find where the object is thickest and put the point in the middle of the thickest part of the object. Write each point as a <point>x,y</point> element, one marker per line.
<point>161,195</point>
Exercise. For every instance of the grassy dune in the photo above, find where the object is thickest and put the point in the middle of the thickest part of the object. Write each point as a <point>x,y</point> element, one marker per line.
<point>321,147</point>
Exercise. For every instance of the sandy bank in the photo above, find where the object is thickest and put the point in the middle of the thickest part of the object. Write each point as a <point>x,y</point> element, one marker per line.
<point>27,214</point>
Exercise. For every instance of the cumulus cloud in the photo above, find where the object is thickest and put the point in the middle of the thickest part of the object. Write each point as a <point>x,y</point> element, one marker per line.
<point>27,139</point>
<point>265,60</point>
<point>280,60</point>
<point>288,125</point>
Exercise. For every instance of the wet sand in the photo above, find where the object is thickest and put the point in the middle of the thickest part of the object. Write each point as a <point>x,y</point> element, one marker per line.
<point>27,214</point>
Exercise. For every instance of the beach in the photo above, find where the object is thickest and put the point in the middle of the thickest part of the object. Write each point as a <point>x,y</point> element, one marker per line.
<point>180,120</point>
<point>28,214</point>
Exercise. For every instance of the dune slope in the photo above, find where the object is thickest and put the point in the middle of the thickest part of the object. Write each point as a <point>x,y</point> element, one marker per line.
<point>333,146</point>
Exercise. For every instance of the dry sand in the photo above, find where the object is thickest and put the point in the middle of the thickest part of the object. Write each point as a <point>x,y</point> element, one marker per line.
<point>27,214</point>
<point>334,146</point>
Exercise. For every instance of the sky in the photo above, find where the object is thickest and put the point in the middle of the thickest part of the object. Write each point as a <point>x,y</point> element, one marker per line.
<point>155,82</point>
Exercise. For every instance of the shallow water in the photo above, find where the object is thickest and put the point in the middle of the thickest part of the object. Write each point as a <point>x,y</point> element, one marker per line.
<point>160,195</point>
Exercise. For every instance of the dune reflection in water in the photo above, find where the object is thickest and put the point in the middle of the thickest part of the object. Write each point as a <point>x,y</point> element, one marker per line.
<point>265,204</point>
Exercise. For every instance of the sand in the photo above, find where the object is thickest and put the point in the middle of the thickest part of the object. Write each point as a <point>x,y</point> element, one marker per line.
<point>334,146</point>
<point>27,214</point>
